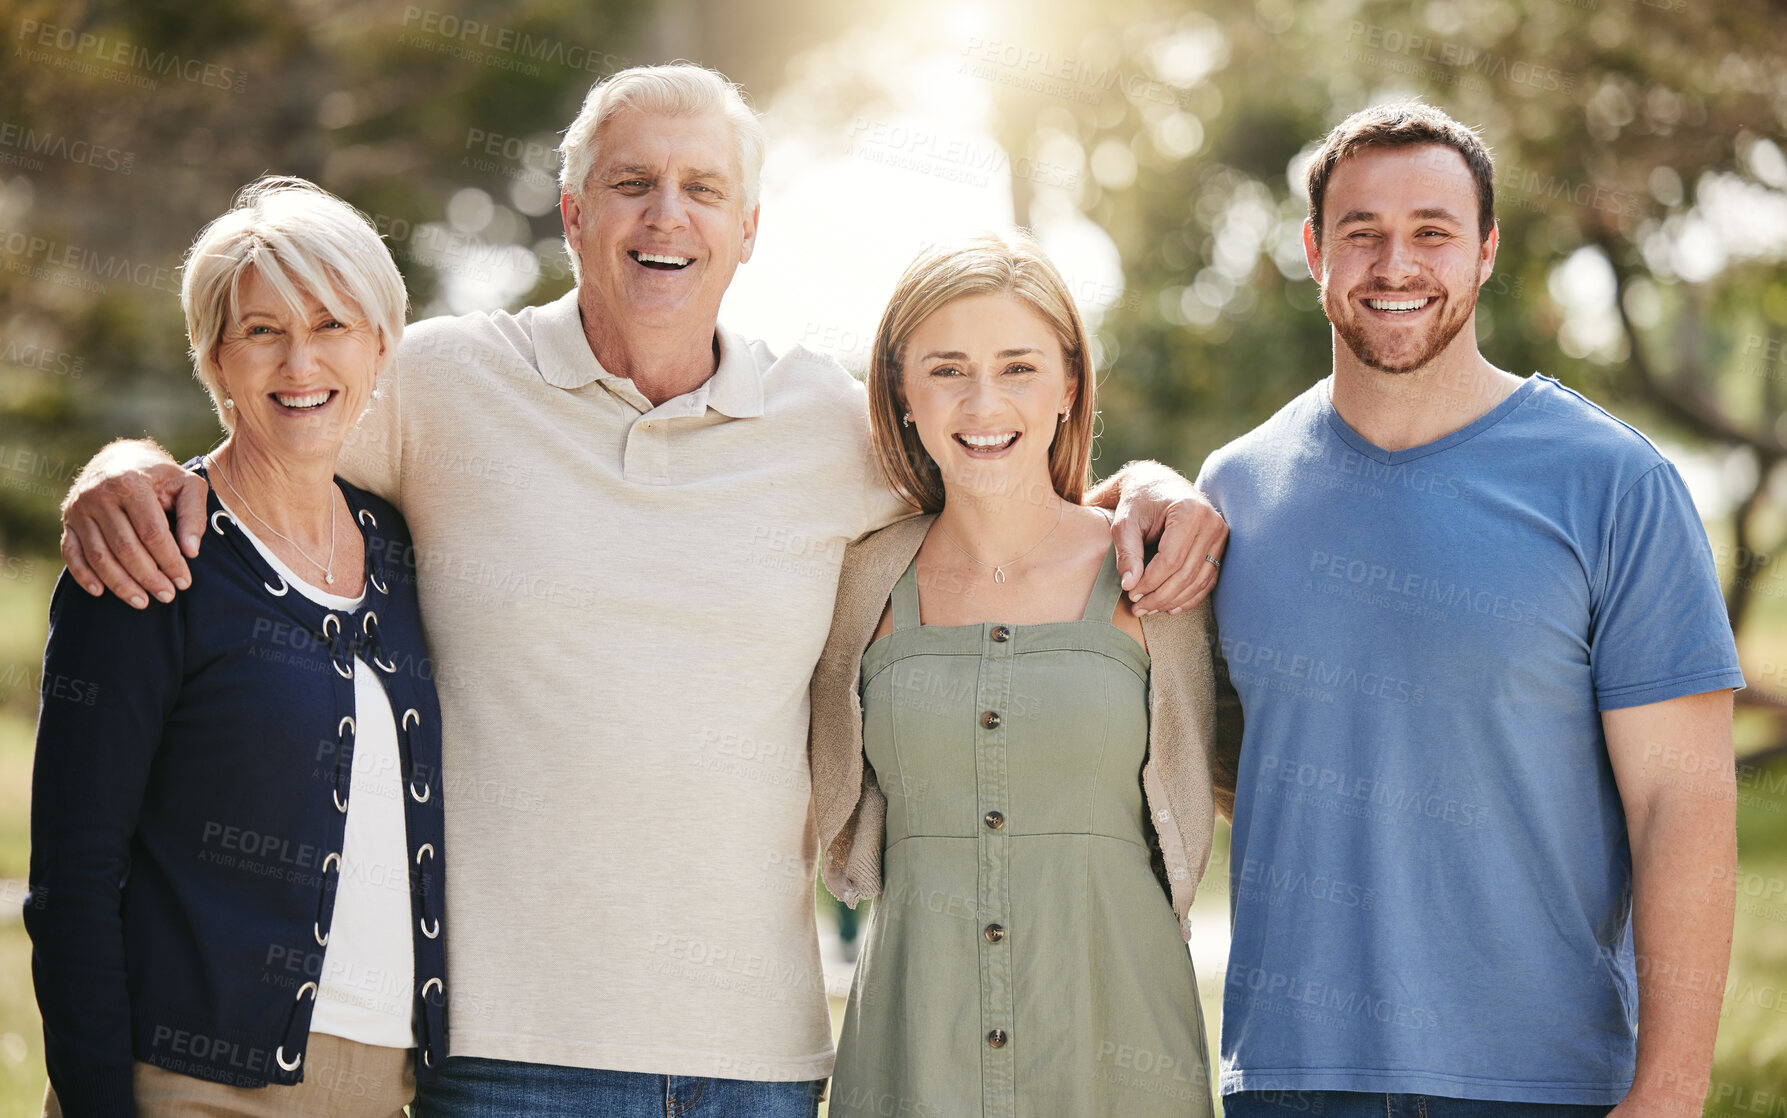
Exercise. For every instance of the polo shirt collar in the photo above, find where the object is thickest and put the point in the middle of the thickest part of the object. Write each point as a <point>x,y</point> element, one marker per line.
<point>566,361</point>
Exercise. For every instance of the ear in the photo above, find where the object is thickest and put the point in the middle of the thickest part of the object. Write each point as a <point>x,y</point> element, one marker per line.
<point>570,210</point>
<point>750,240</point>
<point>1486,254</point>
<point>1312,250</point>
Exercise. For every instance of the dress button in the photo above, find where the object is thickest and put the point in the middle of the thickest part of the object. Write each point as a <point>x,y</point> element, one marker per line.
<point>995,820</point>
<point>997,1038</point>
<point>1001,633</point>
<point>990,720</point>
<point>995,933</point>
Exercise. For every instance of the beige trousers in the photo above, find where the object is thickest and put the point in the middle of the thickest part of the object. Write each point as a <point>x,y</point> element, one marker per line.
<point>342,1079</point>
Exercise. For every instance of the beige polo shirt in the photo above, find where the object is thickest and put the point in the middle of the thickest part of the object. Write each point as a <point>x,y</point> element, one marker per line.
<point>624,605</point>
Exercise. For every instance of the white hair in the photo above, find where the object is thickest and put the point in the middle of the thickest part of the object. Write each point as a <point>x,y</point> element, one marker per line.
<point>301,240</point>
<point>677,89</point>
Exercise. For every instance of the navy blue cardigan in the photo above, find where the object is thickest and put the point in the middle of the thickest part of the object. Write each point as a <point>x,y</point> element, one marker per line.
<point>188,806</point>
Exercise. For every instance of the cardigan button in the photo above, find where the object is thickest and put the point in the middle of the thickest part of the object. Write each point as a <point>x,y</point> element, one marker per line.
<point>995,933</point>
<point>990,720</point>
<point>995,820</point>
<point>997,1038</point>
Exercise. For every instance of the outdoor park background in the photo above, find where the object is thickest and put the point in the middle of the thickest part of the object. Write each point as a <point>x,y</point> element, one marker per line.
<point>1154,145</point>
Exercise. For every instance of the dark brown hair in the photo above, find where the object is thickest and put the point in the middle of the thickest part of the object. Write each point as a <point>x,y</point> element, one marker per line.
<point>1403,124</point>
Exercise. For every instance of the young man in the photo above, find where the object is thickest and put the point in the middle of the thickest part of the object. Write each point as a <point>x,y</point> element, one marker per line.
<point>1475,628</point>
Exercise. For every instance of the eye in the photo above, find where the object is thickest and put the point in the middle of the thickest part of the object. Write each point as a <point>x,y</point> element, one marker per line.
<point>1361,235</point>
<point>946,371</point>
<point>1020,367</point>
<point>258,330</point>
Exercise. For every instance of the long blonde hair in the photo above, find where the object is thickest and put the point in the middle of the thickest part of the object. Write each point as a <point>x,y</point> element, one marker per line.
<point>986,264</point>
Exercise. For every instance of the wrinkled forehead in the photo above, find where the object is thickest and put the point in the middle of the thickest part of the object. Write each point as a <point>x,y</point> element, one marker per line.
<point>700,146</point>
<point>1408,177</point>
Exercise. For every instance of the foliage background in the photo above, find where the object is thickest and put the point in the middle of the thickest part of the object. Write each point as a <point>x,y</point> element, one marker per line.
<point>1153,144</point>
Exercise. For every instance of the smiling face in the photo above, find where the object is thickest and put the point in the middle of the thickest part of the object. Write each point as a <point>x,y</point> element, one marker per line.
<point>1400,261</point>
<point>299,379</point>
<point>661,225</point>
<point>985,380</point>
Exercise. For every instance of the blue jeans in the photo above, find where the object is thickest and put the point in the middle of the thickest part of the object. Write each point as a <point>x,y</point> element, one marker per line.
<point>1353,1104</point>
<point>469,1087</point>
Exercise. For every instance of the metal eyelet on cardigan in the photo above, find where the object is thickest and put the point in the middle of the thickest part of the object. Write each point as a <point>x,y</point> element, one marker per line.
<point>366,517</point>
<point>215,515</point>
<point>423,923</point>
<point>344,673</point>
<point>279,1055</point>
<point>406,717</point>
<point>435,982</point>
<point>427,1056</point>
<point>340,804</point>
<point>283,588</point>
<point>426,848</point>
<point>426,792</point>
<point>328,617</point>
<point>347,722</point>
<point>378,647</point>
<point>322,937</point>
<point>372,577</point>
<point>333,857</point>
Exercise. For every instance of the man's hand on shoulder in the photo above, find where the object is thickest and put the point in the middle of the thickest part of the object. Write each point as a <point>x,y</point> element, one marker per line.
<point>1156,504</point>
<point>114,523</point>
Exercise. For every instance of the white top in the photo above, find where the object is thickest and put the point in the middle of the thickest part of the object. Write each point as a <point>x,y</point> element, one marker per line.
<point>365,990</point>
<point>624,604</point>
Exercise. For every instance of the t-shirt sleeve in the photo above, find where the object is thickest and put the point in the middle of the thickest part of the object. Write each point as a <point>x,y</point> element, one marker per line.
<point>372,456</point>
<point>1659,629</point>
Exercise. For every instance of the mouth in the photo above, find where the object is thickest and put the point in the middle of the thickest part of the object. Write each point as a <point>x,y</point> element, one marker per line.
<point>1401,306</point>
<point>298,403</point>
<point>660,262</point>
<point>987,445</point>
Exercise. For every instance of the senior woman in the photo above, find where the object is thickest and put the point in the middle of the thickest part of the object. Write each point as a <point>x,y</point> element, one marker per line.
<point>236,874</point>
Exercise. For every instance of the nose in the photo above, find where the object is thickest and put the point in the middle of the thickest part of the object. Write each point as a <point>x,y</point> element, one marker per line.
<point>1396,262</point>
<point>982,397</point>
<point>668,209</point>
<point>301,355</point>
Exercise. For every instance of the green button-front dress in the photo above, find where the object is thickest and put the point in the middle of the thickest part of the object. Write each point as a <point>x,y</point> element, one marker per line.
<point>1023,960</point>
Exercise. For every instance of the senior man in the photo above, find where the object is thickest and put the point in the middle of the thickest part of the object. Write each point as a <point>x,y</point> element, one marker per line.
<point>630,522</point>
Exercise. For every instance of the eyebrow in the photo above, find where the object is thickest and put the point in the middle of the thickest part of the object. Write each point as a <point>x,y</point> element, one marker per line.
<point>958,355</point>
<point>637,169</point>
<point>1431,213</point>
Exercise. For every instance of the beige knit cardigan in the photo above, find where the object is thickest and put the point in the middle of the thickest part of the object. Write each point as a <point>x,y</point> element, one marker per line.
<point>850,809</point>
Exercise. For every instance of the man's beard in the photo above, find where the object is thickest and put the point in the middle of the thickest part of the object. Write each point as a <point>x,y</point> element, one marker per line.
<point>1357,334</point>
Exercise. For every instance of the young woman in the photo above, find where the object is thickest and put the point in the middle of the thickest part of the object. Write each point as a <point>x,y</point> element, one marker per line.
<point>999,743</point>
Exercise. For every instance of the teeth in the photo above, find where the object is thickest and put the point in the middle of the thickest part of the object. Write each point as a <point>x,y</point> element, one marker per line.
<point>987,442</point>
<point>1396,304</point>
<point>308,400</point>
<point>655,258</point>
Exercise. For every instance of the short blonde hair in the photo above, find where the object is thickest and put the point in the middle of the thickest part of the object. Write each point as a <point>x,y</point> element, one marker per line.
<point>676,89</point>
<point>301,240</point>
<point>986,264</point>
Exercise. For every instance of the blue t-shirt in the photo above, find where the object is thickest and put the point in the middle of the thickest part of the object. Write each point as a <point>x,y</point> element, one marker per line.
<point>1431,885</point>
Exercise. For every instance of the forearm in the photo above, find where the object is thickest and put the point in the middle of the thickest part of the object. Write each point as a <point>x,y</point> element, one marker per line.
<point>1684,864</point>
<point>1132,476</point>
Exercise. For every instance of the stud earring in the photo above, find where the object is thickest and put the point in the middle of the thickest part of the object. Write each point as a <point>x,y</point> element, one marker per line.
<point>906,420</point>
<point>229,402</point>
